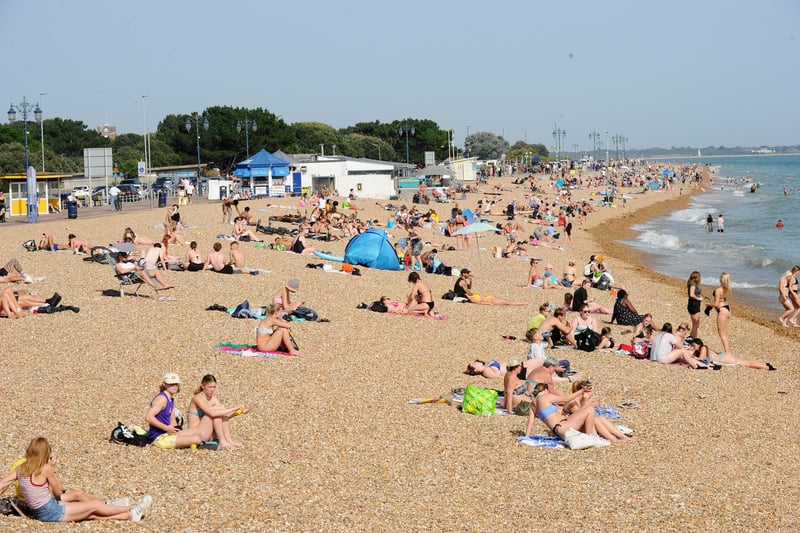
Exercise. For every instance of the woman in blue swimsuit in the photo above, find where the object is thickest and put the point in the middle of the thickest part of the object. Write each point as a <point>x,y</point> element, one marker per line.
<point>567,427</point>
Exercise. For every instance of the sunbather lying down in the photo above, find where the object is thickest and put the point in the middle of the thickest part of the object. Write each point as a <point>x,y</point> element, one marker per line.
<point>463,289</point>
<point>14,305</point>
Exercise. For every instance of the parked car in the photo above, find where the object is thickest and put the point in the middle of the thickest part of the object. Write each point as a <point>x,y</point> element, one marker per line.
<point>99,195</point>
<point>129,193</point>
<point>82,191</point>
<point>165,183</point>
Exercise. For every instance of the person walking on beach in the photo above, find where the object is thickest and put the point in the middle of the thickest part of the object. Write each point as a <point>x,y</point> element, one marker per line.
<point>721,295</point>
<point>709,223</point>
<point>787,296</point>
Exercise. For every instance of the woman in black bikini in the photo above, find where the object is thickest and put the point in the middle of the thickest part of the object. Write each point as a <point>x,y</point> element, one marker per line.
<point>420,300</point>
<point>721,295</point>
<point>694,293</point>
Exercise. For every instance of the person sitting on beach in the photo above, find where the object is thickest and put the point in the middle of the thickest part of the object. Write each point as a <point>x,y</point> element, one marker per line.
<point>283,296</point>
<point>569,275</point>
<point>605,428</point>
<point>549,280</point>
<point>207,413</point>
<point>49,501</point>
<point>665,341</point>
<point>535,279</point>
<point>514,387</point>
<point>273,333</point>
<point>241,232</point>
<point>541,316</point>
<point>583,322</point>
<point>153,258</point>
<point>545,408</point>
<point>705,355</point>
<point>237,260</point>
<point>164,431</point>
<point>300,243</point>
<point>216,262</point>
<point>126,266</point>
<point>581,297</point>
<point>194,262</point>
<point>420,299</point>
<point>645,331</point>
<point>606,340</point>
<point>624,312</point>
<point>555,330</point>
<point>463,289</point>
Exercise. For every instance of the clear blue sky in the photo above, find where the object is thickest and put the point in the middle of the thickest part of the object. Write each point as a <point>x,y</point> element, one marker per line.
<point>660,73</point>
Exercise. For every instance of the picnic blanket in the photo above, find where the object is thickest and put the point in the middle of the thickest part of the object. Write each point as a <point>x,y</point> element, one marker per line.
<point>248,350</point>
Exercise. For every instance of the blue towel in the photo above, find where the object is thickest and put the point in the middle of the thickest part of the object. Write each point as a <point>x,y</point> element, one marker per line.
<point>542,441</point>
<point>607,411</point>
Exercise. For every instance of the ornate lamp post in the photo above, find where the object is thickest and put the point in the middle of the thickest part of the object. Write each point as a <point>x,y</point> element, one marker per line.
<point>247,125</point>
<point>406,130</point>
<point>196,119</point>
<point>558,138</point>
<point>26,109</point>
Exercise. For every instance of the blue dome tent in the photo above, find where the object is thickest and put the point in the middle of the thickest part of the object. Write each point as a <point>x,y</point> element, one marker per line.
<point>372,249</point>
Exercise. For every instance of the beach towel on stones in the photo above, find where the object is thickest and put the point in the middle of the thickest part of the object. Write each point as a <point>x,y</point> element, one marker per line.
<point>542,441</point>
<point>248,350</point>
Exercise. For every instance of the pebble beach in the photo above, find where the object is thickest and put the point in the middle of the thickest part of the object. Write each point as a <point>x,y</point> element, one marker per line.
<point>332,443</point>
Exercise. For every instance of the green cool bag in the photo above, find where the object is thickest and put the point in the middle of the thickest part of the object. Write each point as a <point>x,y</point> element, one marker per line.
<point>479,401</point>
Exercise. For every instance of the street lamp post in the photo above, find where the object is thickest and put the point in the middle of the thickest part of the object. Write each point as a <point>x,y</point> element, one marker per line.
<point>406,130</point>
<point>594,136</point>
<point>41,131</point>
<point>466,142</point>
<point>247,125</point>
<point>558,138</point>
<point>196,119</point>
<point>575,147</point>
<point>26,109</point>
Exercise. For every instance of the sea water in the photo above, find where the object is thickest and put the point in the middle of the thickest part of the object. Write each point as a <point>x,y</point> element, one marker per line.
<point>751,249</point>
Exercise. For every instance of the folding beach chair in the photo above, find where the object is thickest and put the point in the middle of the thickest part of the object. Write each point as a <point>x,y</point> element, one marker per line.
<point>132,279</point>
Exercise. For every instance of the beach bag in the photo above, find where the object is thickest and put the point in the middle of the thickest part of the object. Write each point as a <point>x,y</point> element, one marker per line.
<point>129,435</point>
<point>587,340</point>
<point>640,350</point>
<point>29,245</point>
<point>479,401</point>
<point>305,313</point>
<point>449,295</point>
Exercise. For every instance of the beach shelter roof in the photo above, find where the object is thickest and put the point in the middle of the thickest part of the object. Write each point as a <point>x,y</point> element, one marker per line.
<point>261,165</point>
<point>435,170</point>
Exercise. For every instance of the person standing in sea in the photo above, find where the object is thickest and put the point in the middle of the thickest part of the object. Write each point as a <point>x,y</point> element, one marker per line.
<point>709,223</point>
<point>720,224</point>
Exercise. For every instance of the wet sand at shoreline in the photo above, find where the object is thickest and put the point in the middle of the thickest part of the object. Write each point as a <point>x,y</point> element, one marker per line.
<point>332,443</point>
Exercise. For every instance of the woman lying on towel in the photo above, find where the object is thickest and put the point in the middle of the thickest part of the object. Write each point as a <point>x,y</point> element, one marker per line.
<point>605,428</point>
<point>272,334</point>
<point>705,355</point>
<point>463,289</point>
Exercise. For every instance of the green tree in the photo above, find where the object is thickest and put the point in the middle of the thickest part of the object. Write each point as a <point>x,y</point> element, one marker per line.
<point>485,145</point>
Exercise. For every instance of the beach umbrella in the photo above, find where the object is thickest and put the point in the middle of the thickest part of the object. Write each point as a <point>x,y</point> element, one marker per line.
<point>559,184</point>
<point>476,228</point>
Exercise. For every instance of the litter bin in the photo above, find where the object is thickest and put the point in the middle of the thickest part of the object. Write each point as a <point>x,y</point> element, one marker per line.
<point>162,198</point>
<point>72,209</point>
<point>223,192</point>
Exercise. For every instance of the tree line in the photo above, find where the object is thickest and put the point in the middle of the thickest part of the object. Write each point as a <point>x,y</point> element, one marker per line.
<point>222,146</point>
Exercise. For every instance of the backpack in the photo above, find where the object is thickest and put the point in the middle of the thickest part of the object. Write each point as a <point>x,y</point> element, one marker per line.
<point>29,245</point>
<point>129,435</point>
<point>587,340</point>
<point>305,313</point>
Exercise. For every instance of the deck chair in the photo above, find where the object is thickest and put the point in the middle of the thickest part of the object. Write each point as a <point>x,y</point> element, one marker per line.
<point>132,279</point>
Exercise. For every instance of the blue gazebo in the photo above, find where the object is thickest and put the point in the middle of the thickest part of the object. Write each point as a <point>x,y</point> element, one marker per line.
<point>260,169</point>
